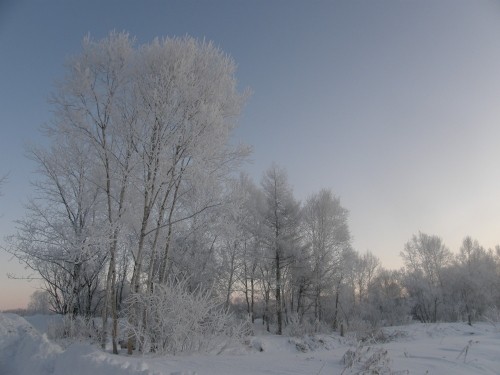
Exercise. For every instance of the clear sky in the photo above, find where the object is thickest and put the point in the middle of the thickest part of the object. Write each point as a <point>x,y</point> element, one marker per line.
<point>394,105</point>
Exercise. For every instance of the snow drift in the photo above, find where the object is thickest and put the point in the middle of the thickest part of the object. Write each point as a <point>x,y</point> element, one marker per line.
<point>25,351</point>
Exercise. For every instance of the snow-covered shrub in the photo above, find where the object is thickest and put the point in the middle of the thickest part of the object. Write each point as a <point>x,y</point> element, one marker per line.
<point>492,315</point>
<point>79,327</point>
<point>365,360</point>
<point>361,330</point>
<point>297,328</point>
<point>377,362</point>
<point>174,319</point>
<point>309,343</point>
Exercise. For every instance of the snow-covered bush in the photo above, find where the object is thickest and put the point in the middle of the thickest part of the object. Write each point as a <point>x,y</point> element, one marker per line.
<point>297,328</point>
<point>360,329</point>
<point>492,315</point>
<point>366,360</point>
<point>79,327</point>
<point>174,319</point>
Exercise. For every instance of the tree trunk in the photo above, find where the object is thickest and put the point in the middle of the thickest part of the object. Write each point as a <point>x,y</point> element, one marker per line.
<point>135,284</point>
<point>266,308</point>
<point>252,299</point>
<point>336,311</point>
<point>177,184</point>
<point>278,294</point>
<point>114,331</point>
<point>231,274</point>
<point>105,310</point>
<point>74,308</point>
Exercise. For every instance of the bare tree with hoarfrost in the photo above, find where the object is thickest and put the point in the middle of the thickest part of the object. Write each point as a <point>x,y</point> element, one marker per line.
<point>326,231</point>
<point>253,247</point>
<point>94,105</point>
<point>472,281</point>
<point>386,303</point>
<point>425,258</point>
<point>188,101</point>
<point>281,222</point>
<point>234,236</point>
<point>189,104</point>
<point>61,237</point>
<point>365,270</point>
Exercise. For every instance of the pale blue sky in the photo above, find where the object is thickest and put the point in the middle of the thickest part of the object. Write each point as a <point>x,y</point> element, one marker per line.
<point>393,105</point>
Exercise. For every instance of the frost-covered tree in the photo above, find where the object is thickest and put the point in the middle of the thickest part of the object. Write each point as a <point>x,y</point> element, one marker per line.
<point>385,302</point>
<point>236,240</point>
<point>343,307</point>
<point>425,258</point>
<point>326,231</point>
<point>281,224</point>
<point>252,230</point>
<point>61,236</point>
<point>364,272</point>
<point>189,104</point>
<point>472,281</point>
<point>39,302</point>
<point>93,104</point>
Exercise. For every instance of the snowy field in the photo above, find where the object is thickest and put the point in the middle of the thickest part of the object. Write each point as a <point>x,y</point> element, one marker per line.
<point>451,348</point>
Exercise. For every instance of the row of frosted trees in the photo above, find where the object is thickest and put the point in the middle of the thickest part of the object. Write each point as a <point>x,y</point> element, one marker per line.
<point>138,191</point>
<point>138,154</point>
<point>448,287</point>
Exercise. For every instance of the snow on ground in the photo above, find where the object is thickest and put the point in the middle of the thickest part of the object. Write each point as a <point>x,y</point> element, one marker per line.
<point>446,348</point>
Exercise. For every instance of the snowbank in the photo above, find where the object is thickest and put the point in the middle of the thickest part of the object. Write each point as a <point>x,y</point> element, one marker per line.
<point>26,351</point>
<point>23,350</point>
<point>83,359</point>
